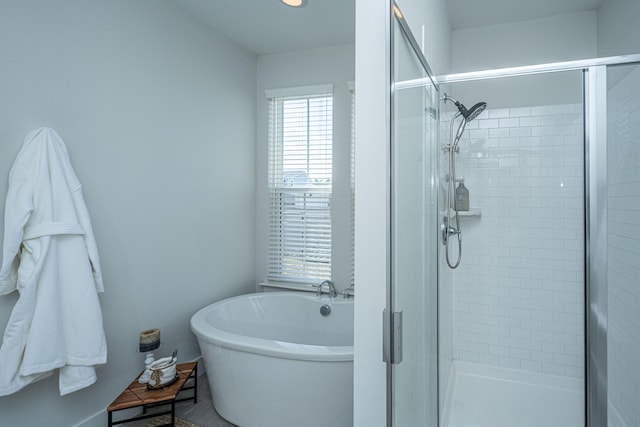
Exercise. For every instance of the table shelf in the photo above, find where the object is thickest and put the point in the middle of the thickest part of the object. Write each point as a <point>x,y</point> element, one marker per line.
<point>138,395</point>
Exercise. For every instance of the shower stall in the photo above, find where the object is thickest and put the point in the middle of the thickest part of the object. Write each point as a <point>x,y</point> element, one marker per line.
<point>522,307</point>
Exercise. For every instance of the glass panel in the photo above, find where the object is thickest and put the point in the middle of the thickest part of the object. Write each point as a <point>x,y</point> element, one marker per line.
<point>623,246</point>
<point>413,244</point>
<point>512,313</point>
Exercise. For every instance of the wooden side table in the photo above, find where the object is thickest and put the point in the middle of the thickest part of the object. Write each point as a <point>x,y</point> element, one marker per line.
<point>137,394</point>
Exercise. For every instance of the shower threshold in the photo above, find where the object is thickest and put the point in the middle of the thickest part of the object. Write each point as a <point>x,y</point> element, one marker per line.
<point>488,396</point>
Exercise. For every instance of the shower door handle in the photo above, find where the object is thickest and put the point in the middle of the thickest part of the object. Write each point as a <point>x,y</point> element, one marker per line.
<point>392,337</point>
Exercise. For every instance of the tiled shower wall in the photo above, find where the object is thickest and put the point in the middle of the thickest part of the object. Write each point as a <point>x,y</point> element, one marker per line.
<point>623,170</point>
<point>518,295</point>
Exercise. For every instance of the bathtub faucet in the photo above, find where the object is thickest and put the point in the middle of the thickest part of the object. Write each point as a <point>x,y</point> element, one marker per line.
<point>332,288</point>
<point>349,292</point>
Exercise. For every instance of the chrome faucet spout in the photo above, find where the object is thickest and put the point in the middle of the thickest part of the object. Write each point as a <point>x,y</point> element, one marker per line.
<point>332,288</point>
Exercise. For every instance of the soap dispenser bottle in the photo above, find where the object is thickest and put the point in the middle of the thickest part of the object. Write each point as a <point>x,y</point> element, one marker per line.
<point>462,196</point>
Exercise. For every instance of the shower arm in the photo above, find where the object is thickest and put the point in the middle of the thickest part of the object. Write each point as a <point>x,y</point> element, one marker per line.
<point>446,98</point>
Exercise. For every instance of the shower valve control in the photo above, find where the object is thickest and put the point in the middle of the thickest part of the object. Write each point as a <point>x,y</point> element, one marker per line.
<point>448,230</point>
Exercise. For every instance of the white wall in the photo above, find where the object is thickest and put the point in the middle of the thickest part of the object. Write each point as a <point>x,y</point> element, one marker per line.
<point>558,38</point>
<point>334,65</point>
<point>623,174</point>
<point>372,80</point>
<point>618,30</point>
<point>429,22</point>
<point>519,290</point>
<point>619,34</point>
<point>158,113</point>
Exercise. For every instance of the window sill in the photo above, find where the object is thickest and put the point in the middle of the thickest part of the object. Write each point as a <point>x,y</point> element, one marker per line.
<point>305,287</point>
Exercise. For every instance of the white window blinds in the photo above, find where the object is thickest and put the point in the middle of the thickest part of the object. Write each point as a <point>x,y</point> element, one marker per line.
<point>300,185</point>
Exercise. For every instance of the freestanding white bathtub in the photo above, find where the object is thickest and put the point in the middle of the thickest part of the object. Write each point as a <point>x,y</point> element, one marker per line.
<point>273,359</point>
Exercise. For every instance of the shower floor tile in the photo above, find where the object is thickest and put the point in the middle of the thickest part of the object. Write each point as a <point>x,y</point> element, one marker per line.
<point>486,396</point>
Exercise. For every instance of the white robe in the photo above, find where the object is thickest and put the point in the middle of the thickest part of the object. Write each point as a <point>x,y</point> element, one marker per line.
<point>50,257</point>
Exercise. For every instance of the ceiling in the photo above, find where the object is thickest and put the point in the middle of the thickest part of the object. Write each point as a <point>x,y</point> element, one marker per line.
<point>268,26</point>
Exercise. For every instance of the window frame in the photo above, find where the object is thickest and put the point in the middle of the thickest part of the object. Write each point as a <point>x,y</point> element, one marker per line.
<point>299,231</point>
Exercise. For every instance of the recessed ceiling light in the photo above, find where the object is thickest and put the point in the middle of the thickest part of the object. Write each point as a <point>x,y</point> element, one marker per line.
<point>295,3</point>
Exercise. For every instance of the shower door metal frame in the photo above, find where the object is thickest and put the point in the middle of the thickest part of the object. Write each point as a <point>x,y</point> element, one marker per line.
<point>554,67</point>
<point>596,288</point>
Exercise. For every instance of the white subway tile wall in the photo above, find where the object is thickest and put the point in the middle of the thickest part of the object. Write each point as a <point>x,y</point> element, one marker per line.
<point>623,228</point>
<point>519,291</point>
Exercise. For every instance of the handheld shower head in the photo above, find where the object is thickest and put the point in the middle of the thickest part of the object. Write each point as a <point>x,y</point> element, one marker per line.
<point>467,115</point>
<point>472,112</point>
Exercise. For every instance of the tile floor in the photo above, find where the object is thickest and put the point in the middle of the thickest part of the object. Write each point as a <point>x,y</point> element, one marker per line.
<point>201,413</point>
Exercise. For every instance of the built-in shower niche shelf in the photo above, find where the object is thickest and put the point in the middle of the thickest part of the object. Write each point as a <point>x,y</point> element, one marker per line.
<point>473,212</point>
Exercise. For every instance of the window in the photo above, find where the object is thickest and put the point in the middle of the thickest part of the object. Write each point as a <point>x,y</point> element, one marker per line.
<point>300,184</point>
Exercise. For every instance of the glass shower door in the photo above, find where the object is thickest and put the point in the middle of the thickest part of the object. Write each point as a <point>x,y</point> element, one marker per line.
<point>623,245</point>
<point>413,397</point>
